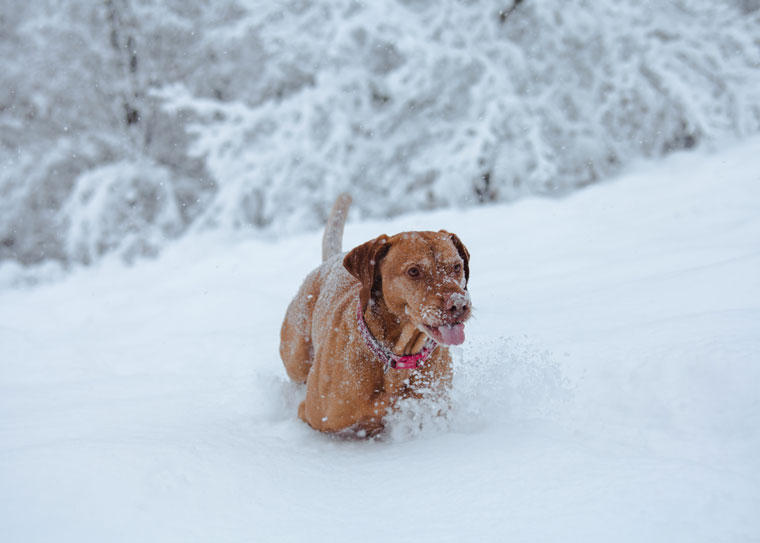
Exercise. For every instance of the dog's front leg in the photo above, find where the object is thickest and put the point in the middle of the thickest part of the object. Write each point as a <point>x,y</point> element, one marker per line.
<point>371,417</point>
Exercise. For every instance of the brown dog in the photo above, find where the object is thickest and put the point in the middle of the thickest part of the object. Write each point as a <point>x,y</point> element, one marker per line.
<point>372,326</point>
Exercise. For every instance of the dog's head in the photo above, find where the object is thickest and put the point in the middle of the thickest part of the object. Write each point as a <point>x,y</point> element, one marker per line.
<point>420,276</point>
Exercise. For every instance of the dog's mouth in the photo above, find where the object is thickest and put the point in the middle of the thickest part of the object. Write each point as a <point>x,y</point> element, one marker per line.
<point>446,334</point>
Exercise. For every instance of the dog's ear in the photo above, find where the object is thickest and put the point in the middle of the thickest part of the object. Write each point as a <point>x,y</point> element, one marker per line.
<point>463,253</point>
<point>363,262</point>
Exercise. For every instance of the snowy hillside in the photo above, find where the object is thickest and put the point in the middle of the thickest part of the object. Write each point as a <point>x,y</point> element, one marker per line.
<point>608,389</point>
<point>252,115</point>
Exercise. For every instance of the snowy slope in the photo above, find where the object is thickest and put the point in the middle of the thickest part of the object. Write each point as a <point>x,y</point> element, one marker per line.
<point>608,389</point>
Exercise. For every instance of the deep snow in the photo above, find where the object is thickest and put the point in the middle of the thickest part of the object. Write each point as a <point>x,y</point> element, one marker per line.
<point>608,389</point>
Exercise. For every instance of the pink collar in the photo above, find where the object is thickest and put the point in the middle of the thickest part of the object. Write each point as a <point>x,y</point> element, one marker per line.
<point>388,358</point>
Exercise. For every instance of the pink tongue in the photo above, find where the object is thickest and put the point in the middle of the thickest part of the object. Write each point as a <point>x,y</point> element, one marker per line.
<point>452,335</point>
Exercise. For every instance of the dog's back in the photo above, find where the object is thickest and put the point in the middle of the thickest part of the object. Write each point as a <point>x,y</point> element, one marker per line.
<point>319,290</point>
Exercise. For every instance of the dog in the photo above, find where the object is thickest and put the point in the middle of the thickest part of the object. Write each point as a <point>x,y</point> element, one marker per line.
<point>372,326</point>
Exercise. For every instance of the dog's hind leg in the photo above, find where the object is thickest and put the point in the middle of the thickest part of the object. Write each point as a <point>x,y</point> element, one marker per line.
<point>296,349</point>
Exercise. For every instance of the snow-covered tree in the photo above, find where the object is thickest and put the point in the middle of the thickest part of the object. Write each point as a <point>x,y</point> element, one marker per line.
<point>74,103</point>
<point>127,122</point>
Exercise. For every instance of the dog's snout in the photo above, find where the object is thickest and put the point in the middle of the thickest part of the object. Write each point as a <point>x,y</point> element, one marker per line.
<point>457,304</point>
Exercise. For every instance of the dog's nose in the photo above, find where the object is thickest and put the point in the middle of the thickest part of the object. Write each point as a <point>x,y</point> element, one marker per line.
<point>457,304</point>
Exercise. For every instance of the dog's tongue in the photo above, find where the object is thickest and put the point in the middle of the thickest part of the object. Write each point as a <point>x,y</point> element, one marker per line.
<point>452,335</point>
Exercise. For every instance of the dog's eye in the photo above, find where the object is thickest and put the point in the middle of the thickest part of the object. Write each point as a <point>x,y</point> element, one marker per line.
<point>413,272</point>
<point>457,268</point>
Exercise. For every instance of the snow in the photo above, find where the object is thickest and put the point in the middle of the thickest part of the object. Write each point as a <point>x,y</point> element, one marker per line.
<point>240,115</point>
<point>607,390</point>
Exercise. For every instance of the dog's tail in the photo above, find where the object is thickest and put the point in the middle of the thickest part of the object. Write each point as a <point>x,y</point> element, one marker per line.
<point>332,240</point>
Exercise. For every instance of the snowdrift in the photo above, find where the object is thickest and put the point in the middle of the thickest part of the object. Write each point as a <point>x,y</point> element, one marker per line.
<point>607,390</point>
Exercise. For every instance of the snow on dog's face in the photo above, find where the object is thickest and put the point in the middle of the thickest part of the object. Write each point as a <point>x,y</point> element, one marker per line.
<point>421,277</point>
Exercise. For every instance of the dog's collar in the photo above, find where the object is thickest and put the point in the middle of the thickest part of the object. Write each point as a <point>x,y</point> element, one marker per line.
<point>388,358</point>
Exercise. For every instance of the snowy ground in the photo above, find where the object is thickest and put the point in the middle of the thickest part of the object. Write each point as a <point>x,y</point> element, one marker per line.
<point>608,389</point>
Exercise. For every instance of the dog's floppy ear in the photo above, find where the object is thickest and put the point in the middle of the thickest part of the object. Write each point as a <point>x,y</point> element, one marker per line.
<point>463,253</point>
<point>363,262</point>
